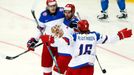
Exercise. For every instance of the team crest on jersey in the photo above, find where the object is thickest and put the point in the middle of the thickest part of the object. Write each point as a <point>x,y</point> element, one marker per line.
<point>45,14</point>
<point>61,9</point>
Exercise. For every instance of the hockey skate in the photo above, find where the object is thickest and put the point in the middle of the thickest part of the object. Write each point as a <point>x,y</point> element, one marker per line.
<point>103,16</point>
<point>123,15</point>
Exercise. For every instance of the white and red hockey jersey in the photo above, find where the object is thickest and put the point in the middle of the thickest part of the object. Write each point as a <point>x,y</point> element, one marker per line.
<point>84,47</point>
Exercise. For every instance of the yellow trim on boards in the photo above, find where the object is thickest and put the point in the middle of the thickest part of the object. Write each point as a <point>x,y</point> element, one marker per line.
<point>132,1</point>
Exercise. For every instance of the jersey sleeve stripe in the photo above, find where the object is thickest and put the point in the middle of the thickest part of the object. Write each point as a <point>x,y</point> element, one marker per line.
<point>74,37</point>
<point>98,36</point>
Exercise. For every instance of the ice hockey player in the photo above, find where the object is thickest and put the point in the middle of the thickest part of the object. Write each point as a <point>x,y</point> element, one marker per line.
<point>68,26</point>
<point>83,57</point>
<point>62,43</point>
<point>51,16</point>
<point>104,6</point>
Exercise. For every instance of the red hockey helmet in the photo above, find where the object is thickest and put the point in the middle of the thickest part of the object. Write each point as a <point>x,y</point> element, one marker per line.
<point>83,25</point>
<point>51,2</point>
<point>70,7</point>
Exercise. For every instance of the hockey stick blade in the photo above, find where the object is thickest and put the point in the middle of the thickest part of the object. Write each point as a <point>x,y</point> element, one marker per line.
<point>103,70</point>
<point>11,58</point>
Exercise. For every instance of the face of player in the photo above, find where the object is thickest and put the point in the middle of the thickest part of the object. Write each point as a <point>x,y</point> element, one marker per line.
<point>52,8</point>
<point>68,14</point>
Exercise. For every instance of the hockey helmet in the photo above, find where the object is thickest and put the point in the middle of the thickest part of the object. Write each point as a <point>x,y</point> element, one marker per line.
<point>83,25</point>
<point>70,7</point>
<point>51,2</point>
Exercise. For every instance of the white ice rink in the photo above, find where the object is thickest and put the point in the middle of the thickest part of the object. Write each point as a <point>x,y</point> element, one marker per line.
<point>17,26</point>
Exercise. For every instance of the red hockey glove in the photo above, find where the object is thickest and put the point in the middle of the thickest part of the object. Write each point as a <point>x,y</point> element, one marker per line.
<point>47,39</point>
<point>124,33</point>
<point>31,44</point>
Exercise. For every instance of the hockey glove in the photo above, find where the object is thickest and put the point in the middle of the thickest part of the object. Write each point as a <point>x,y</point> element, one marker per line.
<point>47,39</point>
<point>73,24</point>
<point>40,28</point>
<point>124,33</point>
<point>31,44</point>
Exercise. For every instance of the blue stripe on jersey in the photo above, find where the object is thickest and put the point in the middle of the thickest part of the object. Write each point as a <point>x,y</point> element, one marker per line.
<point>105,39</point>
<point>47,17</point>
<point>82,65</point>
<point>97,34</point>
<point>64,54</point>
<point>74,36</point>
<point>67,40</point>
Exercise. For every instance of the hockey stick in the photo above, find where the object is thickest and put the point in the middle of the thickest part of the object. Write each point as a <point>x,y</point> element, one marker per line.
<point>33,14</point>
<point>11,58</point>
<point>78,15</point>
<point>103,70</point>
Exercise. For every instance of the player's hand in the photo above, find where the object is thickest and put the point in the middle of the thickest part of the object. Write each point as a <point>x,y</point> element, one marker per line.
<point>31,44</point>
<point>41,28</point>
<point>125,33</point>
<point>73,24</point>
<point>47,39</point>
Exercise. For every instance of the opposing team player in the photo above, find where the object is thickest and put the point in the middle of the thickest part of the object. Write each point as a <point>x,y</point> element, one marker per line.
<point>104,6</point>
<point>82,62</point>
<point>61,41</point>
<point>51,16</point>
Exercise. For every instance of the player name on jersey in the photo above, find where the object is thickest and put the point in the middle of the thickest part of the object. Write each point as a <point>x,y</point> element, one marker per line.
<point>86,38</point>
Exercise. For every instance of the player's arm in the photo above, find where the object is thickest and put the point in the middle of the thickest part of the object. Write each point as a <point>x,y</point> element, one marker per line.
<point>41,27</point>
<point>42,21</point>
<point>39,30</point>
<point>73,23</point>
<point>122,34</point>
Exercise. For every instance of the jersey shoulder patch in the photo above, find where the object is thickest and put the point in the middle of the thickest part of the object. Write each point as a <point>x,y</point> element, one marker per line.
<point>61,9</point>
<point>44,13</point>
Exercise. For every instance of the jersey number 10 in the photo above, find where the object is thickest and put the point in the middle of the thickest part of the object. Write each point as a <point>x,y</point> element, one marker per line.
<point>85,49</point>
